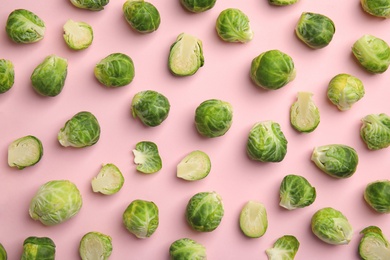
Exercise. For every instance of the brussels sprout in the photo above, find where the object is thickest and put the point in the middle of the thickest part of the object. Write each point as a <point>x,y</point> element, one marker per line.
<point>204,211</point>
<point>93,5</point>
<point>25,151</point>
<point>151,107</point>
<point>282,2</point>
<point>142,16</point>
<point>315,30</point>
<point>78,35</point>
<point>372,53</point>
<point>194,166</point>
<point>377,195</point>
<point>147,157</point>
<point>304,114</point>
<point>336,160</point>
<point>213,117</point>
<point>198,6</point>
<point>375,131</point>
<point>345,90</point>
<point>109,180</point>
<point>373,244</point>
<point>378,8</point>
<point>233,26</point>
<point>185,55</point>
<point>95,245</point>
<point>55,202</point>
<point>115,70</point>
<point>23,26</point>
<point>266,142</point>
<point>186,248</point>
<point>141,218</point>
<point>38,248</point>
<point>253,219</point>
<point>7,75</point>
<point>296,192</point>
<point>285,247</point>
<point>3,253</point>
<point>272,70</point>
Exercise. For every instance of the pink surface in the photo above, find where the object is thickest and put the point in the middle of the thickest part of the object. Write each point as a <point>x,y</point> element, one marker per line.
<point>225,76</point>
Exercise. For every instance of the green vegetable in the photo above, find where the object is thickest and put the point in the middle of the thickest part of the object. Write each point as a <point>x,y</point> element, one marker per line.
<point>48,78</point>
<point>55,202</point>
<point>375,131</point>
<point>377,196</point>
<point>285,248</point>
<point>38,248</point>
<point>141,218</point>
<point>272,70</point>
<point>23,26</point>
<point>198,6</point>
<point>95,245</point>
<point>92,5</point>
<point>194,166</point>
<point>109,180</point>
<point>282,2</point>
<point>147,157</point>
<point>186,248</point>
<point>7,75</point>
<point>115,70</point>
<point>142,16</point>
<point>253,219</point>
<point>296,192</point>
<point>304,114</point>
<point>378,8</point>
<point>24,152</point>
<point>80,131</point>
<point>373,244</point>
<point>78,35</point>
<point>233,26</point>
<point>204,211</point>
<point>3,253</point>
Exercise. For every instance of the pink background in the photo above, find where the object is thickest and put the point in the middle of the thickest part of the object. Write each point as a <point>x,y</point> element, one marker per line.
<point>225,76</point>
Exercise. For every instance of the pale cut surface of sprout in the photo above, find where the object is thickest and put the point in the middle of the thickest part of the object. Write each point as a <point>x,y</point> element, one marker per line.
<point>253,219</point>
<point>195,166</point>
<point>25,151</point>
<point>108,181</point>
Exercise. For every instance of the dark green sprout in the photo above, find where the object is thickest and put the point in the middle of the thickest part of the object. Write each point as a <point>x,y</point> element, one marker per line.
<point>7,75</point>
<point>142,16</point>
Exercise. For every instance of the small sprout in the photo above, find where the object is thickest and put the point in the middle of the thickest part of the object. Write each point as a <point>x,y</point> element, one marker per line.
<point>272,70</point>
<point>24,152</point>
<point>204,211</point>
<point>186,248</point>
<point>3,252</point>
<point>48,78</point>
<point>375,131</point>
<point>233,26</point>
<point>141,218</point>
<point>109,180</point>
<point>92,5</point>
<point>304,114</point>
<point>373,244</point>
<point>296,192</point>
<point>115,70</point>
<point>282,2</point>
<point>378,8</point>
<point>24,26</point>
<point>80,131</point>
<point>95,245</point>
<point>142,16</point>
<point>147,157</point>
<point>377,196</point>
<point>197,6</point>
<point>266,142</point>
<point>253,219</point>
<point>285,247</point>
<point>7,75</point>
<point>36,248</point>
<point>194,166</point>
<point>331,226</point>
<point>185,55</point>
<point>78,35</point>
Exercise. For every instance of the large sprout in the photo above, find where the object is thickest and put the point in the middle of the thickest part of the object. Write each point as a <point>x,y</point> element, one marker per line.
<point>282,2</point>
<point>142,16</point>
<point>375,131</point>
<point>23,26</point>
<point>109,180</point>
<point>373,244</point>
<point>78,35</point>
<point>3,253</point>
<point>198,6</point>
<point>296,192</point>
<point>38,248</point>
<point>186,248</point>
<point>284,248</point>
<point>304,114</point>
<point>377,195</point>
<point>92,5</point>
<point>194,166</point>
<point>24,152</point>
<point>115,70</point>
<point>253,219</point>
<point>233,26</point>
<point>378,8</point>
<point>7,75</point>
<point>95,245</point>
<point>147,157</point>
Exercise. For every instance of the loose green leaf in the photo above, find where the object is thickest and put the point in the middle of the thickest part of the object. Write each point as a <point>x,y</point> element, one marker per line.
<point>147,157</point>
<point>285,248</point>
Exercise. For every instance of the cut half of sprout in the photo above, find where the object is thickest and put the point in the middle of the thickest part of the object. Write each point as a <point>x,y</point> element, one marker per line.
<point>195,166</point>
<point>25,151</point>
<point>373,244</point>
<point>108,181</point>
<point>95,245</point>
<point>304,114</point>
<point>147,157</point>
<point>78,35</point>
<point>253,219</point>
<point>285,248</point>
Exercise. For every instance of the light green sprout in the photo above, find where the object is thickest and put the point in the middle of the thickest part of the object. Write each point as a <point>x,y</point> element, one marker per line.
<point>282,2</point>
<point>142,16</point>
<point>253,219</point>
<point>186,248</point>
<point>198,6</point>
<point>3,253</point>
<point>378,8</point>
<point>304,114</point>
<point>296,192</point>
<point>38,248</point>
<point>147,157</point>
<point>194,166</point>
<point>23,26</point>
<point>95,245</point>
<point>109,180</point>
<point>92,5</point>
<point>377,196</point>
<point>78,35</point>
<point>373,244</point>
<point>115,70</point>
<point>233,26</point>
<point>24,152</point>
<point>285,248</point>
<point>7,75</point>
<point>375,131</point>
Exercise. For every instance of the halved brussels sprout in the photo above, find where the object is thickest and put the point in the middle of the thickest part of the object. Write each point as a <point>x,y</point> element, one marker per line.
<point>38,248</point>
<point>285,248</point>
<point>24,152</point>
<point>331,226</point>
<point>282,2</point>
<point>233,26</point>
<point>92,5</point>
<point>147,157</point>
<point>185,55</point>
<point>3,253</point>
<point>186,248</point>
<point>375,131</point>
<point>204,211</point>
<point>78,35</point>
<point>377,195</point>
<point>141,218</point>
<point>7,75</point>
<point>48,78</point>
<point>95,245</point>
<point>373,244</point>
<point>80,131</point>
<point>304,114</point>
<point>378,8</point>
<point>23,26</point>
<point>198,6</point>
<point>109,180</point>
<point>272,70</point>
<point>296,192</point>
<point>266,142</point>
<point>194,166</point>
<point>115,70</point>
<point>253,219</point>
<point>55,202</point>
<point>142,16</point>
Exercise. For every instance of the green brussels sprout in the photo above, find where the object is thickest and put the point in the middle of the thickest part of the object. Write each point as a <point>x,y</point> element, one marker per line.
<point>23,26</point>
<point>80,131</point>
<point>109,180</point>
<point>377,195</point>
<point>372,53</point>
<point>186,248</point>
<point>95,245</point>
<point>375,131</point>
<point>7,75</point>
<point>296,192</point>
<point>194,166</point>
<point>345,90</point>
<point>55,202</point>
<point>147,157</point>
<point>198,6</point>
<point>38,248</point>
<point>266,142</point>
<point>185,55</point>
<point>48,78</point>
<point>151,107</point>
<point>3,253</point>
<point>378,8</point>
<point>141,218</point>
<point>115,70</point>
<point>92,5</point>
<point>24,152</point>
<point>142,16</point>
<point>285,247</point>
<point>331,226</point>
<point>253,219</point>
<point>315,30</point>
<point>272,70</point>
<point>78,35</point>
<point>304,114</point>
<point>204,211</point>
<point>213,118</point>
<point>373,244</point>
<point>233,26</point>
<point>282,2</point>
<point>336,160</point>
